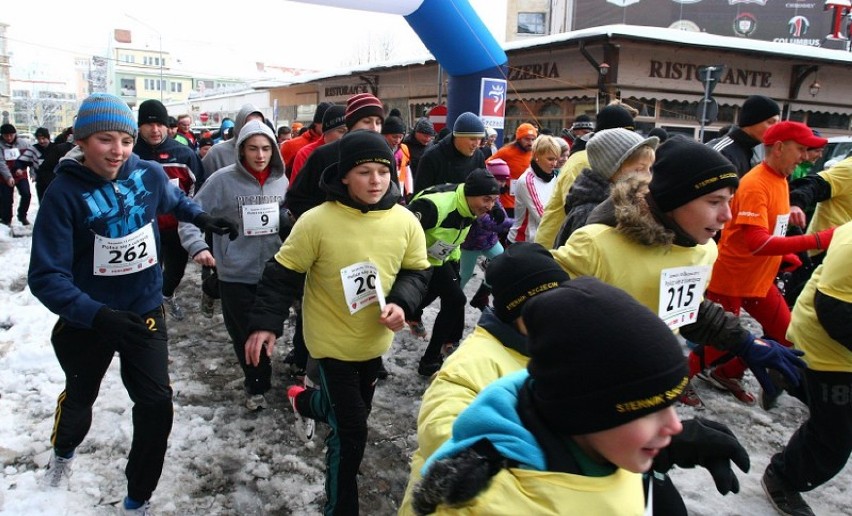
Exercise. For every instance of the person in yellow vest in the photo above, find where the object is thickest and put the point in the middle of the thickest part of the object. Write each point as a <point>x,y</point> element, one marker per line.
<point>821,326</point>
<point>574,432</point>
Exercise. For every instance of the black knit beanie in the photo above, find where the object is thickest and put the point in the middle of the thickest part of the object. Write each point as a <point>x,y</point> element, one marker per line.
<point>152,111</point>
<point>7,129</point>
<point>613,117</point>
<point>363,146</point>
<point>598,358</point>
<point>480,182</point>
<point>685,170</point>
<point>393,125</point>
<point>333,117</point>
<point>756,109</point>
<point>322,107</point>
<point>523,271</point>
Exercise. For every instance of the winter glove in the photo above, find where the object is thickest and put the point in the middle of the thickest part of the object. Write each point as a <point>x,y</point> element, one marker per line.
<point>218,225</point>
<point>498,215</point>
<point>457,479</point>
<point>790,262</point>
<point>760,354</point>
<point>823,238</point>
<point>127,326</point>
<point>708,444</point>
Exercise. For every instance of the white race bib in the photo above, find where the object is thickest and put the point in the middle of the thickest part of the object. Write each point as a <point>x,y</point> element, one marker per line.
<point>125,255</point>
<point>512,186</point>
<point>440,250</point>
<point>781,222</point>
<point>11,154</point>
<point>362,286</point>
<point>681,291</point>
<point>260,219</point>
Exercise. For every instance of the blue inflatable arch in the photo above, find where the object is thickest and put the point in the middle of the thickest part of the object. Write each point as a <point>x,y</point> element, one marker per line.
<point>461,43</point>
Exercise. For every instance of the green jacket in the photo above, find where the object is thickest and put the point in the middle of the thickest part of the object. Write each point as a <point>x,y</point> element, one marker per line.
<point>446,219</point>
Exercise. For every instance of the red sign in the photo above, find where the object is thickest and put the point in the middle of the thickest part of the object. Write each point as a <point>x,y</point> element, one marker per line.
<point>204,117</point>
<point>438,116</point>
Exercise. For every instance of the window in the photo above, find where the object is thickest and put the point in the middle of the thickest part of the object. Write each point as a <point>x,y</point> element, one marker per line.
<point>176,87</point>
<point>531,23</point>
<point>128,87</point>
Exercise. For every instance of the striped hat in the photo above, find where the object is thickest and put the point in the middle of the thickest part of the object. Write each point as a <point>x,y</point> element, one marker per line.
<point>103,112</point>
<point>468,125</point>
<point>361,106</point>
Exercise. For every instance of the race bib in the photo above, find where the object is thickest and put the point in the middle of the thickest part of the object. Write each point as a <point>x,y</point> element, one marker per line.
<point>11,154</point>
<point>362,286</point>
<point>440,250</point>
<point>125,255</point>
<point>781,223</point>
<point>681,291</point>
<point>512,186</point>
<point>260,219</point>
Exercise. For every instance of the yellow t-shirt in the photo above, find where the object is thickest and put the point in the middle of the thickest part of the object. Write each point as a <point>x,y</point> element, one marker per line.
<point>833,278</point>
<point>837,210</point>
<point>332,237</point>
<point>603,252</point>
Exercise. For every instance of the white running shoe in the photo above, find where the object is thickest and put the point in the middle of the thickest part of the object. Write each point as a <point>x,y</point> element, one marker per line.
<point>58,472</point>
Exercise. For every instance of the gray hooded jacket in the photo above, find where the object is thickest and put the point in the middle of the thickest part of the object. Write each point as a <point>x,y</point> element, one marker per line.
<point>224,153</point>
<point>224,195</point>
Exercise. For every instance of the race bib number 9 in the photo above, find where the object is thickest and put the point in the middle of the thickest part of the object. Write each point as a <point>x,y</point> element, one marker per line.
<point>11,154</point>
<point>362,286</point>
<point>125,255</point>
<point>681,291</point>
<point>260,219</point>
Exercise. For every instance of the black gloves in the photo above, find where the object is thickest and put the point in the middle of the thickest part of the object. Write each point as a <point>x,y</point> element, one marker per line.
<point>455,480</point>
<point>709,444</point>
<point>124,325</point>
<point>497,214</point>
<point>218,225</point>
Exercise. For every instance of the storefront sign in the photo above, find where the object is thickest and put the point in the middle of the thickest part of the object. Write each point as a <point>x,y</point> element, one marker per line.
<point>347,90</point>
<point>689,72</point>
<point>546,70</point>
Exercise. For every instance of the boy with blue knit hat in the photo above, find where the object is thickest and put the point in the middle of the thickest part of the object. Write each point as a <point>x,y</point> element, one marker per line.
<point>94,263</point>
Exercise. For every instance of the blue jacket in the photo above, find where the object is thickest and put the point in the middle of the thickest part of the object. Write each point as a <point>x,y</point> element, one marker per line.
<point>81,204</point>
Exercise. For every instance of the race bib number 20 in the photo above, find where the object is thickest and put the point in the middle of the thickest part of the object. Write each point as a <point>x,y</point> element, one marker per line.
<point>362,286</point>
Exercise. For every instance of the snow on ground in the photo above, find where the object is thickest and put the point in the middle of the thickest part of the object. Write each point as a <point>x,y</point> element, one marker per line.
<point>224,460</point>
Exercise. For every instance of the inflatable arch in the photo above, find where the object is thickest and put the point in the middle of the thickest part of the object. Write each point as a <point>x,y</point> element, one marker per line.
<point>461,43</point>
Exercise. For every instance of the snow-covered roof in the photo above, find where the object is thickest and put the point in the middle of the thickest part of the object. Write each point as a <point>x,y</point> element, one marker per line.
<point>686,38</point>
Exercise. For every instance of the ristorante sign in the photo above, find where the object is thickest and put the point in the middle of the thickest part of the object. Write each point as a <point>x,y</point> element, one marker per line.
<point>689,72</point>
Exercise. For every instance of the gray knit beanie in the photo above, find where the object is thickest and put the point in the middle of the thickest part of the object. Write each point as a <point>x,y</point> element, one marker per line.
<point>103,112</point>
<point>607,150</point>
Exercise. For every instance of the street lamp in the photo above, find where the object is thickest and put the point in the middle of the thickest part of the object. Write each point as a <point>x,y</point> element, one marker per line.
<point>160,37</point>
<point>603,69</point>
<point>814,88</point>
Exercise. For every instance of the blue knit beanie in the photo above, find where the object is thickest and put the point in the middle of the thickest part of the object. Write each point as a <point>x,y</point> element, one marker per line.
<point>468,125</point>
<point>103,112</point>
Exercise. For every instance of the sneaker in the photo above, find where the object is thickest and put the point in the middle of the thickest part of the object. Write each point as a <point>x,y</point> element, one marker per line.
<point>58,472</point>
<point>732,385</point>
<point>255,402</point>
<point>690,397</point>
<point>429,367</point>
<point>304,426</point>
<point>417,329</point>
<point>175,310</point>
<point>785,499</point>
<point>207,305</point>
<point>382,373</point>
<point>142,510</point>
<point>290,367</point>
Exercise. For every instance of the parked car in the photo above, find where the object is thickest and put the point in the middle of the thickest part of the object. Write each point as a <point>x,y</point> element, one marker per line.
<point>838,148</point>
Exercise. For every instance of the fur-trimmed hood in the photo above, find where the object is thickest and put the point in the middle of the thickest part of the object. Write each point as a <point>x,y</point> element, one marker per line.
<point>631,210</point>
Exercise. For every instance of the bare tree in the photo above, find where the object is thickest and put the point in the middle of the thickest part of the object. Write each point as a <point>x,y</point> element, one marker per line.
<point>377,48</point>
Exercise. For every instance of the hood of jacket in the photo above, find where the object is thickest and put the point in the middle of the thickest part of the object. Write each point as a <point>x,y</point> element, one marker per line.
<point>636,216</point>
<point>242,114</point>
<point>253,128</point>
<point>589,188</point>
